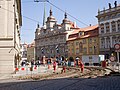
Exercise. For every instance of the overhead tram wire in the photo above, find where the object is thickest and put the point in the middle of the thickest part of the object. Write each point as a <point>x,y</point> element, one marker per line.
<point>26,1</point>
<point>22,15</point>
<point>61,10</point>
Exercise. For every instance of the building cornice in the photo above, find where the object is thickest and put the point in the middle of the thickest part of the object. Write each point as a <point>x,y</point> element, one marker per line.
<point>5,39</point>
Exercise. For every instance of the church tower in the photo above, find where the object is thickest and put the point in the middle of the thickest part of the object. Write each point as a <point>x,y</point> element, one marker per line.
<point>50,21</point>
<point>66,23</point>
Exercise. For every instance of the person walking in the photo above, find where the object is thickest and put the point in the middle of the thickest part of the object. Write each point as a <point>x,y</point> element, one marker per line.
<point>64,67</point>
<point>54,66</point>
<point>81,65</point>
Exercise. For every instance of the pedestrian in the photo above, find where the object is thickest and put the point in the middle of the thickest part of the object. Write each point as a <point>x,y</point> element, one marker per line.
<point>54,66</point>
<point>64,67</point>
<point>81,65</point>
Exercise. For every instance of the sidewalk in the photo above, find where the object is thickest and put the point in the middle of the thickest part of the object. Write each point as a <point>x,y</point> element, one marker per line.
<point>42,69</point>
<point>5,76</point>
<point>36,70</point>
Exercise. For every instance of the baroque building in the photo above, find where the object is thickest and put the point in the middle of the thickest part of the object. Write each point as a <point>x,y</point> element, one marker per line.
<point>83,43</point>
<point>10,23</point>
<point>50,40</point>
<point>109,29</point>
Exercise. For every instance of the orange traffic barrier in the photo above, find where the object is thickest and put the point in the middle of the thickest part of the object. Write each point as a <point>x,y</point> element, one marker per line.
<point>22,68</point>
<point>16,69</point>
<point>35,67</point>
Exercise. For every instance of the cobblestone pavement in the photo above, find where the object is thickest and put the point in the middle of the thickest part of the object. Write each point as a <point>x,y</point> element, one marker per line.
<point>100,83</point>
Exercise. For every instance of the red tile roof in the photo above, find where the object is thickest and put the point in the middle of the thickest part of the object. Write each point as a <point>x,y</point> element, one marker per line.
<point>84,30</point>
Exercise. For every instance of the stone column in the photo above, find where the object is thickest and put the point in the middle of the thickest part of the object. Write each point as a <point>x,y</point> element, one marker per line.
<point>111,41</point>
<point>99,29</point>
<point>104,28</point>
<point>110,27</point>
<point>105,42</point>
<point>100,43</point>
<point>116,25</point>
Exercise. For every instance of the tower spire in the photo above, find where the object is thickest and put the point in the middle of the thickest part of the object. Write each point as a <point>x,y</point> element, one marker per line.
<point>65,15</point>
<point>44,15</point>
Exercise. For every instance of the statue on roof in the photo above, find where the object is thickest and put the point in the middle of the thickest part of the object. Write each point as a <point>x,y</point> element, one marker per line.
<point>109,5</point>
<point>115,3</point>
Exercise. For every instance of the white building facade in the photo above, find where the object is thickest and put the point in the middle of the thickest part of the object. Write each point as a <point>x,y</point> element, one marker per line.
<point>50,40</point>
<point>10,23</point>
<point>109,29</point>
<point>23,52</point>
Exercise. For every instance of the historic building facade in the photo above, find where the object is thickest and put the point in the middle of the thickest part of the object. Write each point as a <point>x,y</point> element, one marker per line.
<point>83,41</point>
<point>23,51</point>
<point>50,40</point>
<point>10,23</point>
<point>109,29</point>
<point>31,52</point>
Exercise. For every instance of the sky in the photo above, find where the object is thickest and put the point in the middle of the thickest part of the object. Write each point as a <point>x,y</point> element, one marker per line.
<point>84,10</point>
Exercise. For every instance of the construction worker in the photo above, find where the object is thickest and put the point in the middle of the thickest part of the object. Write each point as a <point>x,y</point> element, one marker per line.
<point>81,65</point>
<point>54,66</point>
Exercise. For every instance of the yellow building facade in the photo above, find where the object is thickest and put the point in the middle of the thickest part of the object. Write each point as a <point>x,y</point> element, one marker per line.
<point>83,42</point>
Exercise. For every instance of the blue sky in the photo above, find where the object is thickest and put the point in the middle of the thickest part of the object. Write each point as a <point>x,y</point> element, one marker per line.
<point>84,10</point>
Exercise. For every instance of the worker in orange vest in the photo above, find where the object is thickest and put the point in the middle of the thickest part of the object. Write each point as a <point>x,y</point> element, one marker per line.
<point>81,65</point>
<point>54,66</point>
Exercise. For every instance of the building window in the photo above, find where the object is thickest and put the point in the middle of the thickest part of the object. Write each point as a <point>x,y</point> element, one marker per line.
<point>85,50</point>
<point>107,18</point>
<point>80,33</point>
<point>118,23</point>
<point>84,41</point>
<point>102,18</point>
<point>107,27</point>
<point>102,43</point>
<point>90,49</point>
<point>77,43</point>
<point>63,50</point>
<point>113,26</point>
<point>81,47</point>
<point>114,40</point>
<point>72,51</point>
<point>90,40</point>
<point>102,28</point>
<point>77,50</point>
<point>95,49</point>
<point>107,42</point>
<point>94,40</point>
